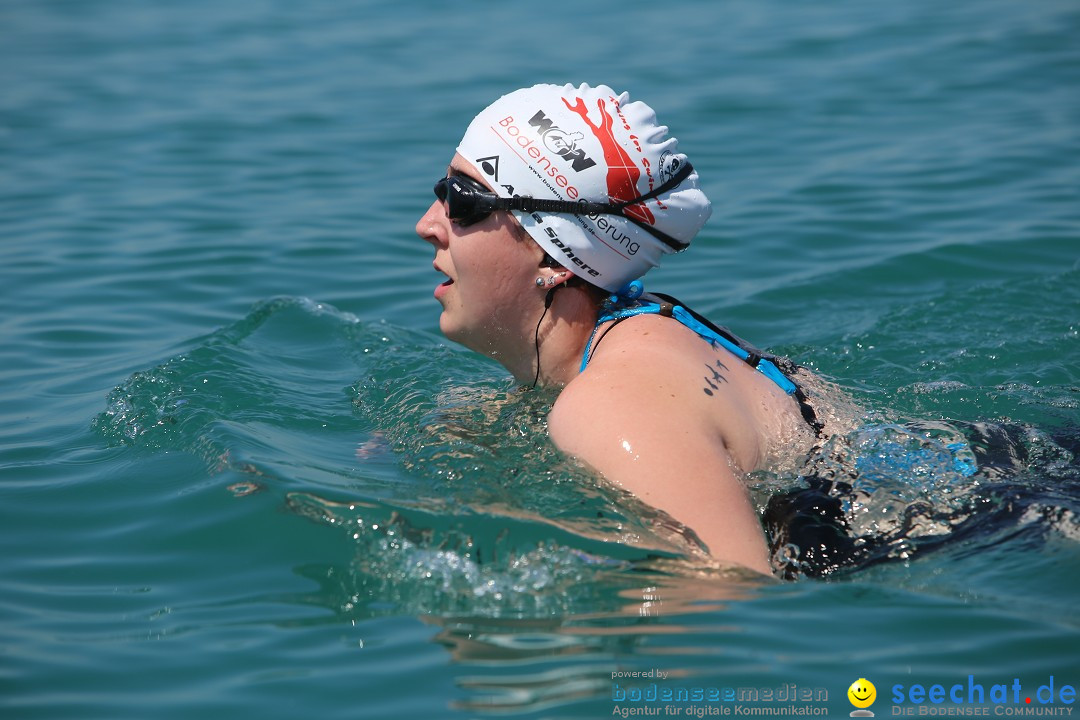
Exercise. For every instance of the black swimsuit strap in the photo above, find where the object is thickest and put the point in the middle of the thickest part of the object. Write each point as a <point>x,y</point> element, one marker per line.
<point>608,329</point>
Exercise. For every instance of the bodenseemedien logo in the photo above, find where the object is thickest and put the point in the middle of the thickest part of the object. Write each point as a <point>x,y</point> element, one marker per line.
<point>862,694</point>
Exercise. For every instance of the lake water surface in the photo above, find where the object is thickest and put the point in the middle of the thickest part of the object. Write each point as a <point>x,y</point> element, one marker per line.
<point>242,474</point>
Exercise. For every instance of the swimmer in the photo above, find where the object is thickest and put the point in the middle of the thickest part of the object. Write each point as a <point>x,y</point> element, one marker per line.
<point>557,201</point>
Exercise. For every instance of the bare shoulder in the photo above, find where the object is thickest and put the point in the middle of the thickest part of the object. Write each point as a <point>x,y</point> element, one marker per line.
<point>653,367</point>
<point>635,417</point>
<point>640,374</point>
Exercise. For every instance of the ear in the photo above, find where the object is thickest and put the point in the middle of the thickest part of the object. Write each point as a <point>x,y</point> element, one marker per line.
<point>554,277</point>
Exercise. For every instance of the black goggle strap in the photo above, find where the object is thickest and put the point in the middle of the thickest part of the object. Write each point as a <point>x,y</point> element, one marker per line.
<point>590,208</point>
<point>531,205</point>
<point>672,183</point>
<point>480,198</point>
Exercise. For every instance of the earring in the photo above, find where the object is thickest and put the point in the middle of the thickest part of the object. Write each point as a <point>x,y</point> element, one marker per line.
<point>550,282</point>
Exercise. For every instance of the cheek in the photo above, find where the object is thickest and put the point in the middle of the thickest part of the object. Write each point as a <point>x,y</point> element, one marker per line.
<point>489,290</point>
<point>493,268</point>
<point>469,261</point>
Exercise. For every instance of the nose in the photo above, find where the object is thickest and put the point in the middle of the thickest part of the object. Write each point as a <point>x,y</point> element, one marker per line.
<point>432,225</point>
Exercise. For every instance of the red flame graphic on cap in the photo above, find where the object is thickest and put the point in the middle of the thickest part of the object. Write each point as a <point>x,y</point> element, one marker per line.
<point>622,173</point>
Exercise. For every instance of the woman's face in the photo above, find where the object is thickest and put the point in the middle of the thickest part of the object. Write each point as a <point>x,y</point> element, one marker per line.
<point>490,294</point>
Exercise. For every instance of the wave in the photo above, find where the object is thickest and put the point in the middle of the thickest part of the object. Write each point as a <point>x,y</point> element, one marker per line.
<point>438,473</point>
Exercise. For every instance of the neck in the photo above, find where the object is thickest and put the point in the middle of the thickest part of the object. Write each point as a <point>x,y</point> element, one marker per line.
<point>563,334</point>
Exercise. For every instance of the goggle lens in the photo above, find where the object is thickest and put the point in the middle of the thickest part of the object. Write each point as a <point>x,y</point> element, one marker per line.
<point>464,198</point>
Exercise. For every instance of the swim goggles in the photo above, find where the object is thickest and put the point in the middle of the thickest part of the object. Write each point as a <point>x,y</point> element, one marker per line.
<point>468,202</point>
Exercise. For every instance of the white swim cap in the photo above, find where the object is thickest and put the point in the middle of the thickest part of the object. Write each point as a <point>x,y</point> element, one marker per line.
<point>588,144</point>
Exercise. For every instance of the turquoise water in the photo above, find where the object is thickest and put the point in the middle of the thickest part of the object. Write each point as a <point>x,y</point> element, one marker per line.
<point>242,475</point>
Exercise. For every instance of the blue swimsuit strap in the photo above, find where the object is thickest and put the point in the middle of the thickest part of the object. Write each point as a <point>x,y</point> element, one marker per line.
<point>763,365</point>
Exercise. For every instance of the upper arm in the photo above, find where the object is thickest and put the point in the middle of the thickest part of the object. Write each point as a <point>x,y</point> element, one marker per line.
<point>641,434</point>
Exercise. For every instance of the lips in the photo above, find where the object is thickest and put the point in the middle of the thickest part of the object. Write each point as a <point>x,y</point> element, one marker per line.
<point>441,287</point>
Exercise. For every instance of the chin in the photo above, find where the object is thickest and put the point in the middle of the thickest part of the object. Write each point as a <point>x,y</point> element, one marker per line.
<point>446,327</point>
<point>451,330</point>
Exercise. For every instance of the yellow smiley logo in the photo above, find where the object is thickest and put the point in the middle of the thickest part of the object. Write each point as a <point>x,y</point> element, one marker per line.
<point>862,693</point>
